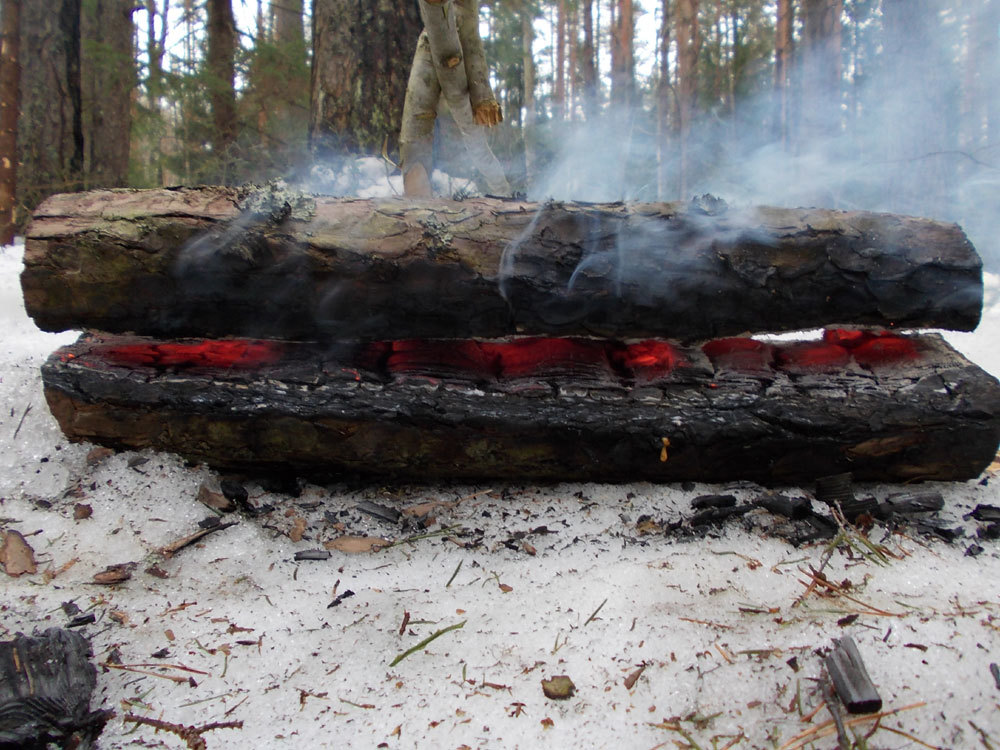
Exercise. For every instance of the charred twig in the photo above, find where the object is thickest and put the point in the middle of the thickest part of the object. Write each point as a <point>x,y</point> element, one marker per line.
<point>599,606</point>
<point>190,734</point>
<point>176,546</point>
<point>20,424</point>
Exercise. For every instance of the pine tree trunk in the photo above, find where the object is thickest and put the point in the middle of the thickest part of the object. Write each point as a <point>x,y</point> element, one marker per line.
<point>688,44</point>
<point>108,77</point>
<point>588,71</point>
<point>10,96</point>
<point>361,60</point>
<point>663,104</point>
<point>783,51</point>
<point>821,67</point>
<point>622,56</point>
<point>169,263</point>
<point>528,97</point>
<point>221,61</point>
<point>50,126</point>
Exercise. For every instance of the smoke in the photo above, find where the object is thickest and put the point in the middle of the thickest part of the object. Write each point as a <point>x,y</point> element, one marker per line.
<point>901,134</point>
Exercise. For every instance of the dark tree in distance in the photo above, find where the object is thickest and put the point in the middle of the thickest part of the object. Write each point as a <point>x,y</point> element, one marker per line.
<point>221,68</point>
<point>10,95</point>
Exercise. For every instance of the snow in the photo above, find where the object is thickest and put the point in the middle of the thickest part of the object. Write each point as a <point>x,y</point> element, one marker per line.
<point>728,653</point>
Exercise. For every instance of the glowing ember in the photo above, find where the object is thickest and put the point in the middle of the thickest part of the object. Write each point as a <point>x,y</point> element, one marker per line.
<point>818,356</point>
<point>547,356</point>
<point>648,360</point>
<point>740,354</point>
<point>221,354</point>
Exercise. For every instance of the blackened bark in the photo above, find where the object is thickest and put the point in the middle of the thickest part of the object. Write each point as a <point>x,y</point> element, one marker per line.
<point>10,96</point>
<point>173,262</point>
<point>316,410</point>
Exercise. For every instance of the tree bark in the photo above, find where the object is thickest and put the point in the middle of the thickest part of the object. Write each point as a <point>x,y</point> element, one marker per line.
<point>688,45</point>
<point>221,61</point>
<point>588,69</point>
<point>783,51</point>
<point>663,91</point>
<point>10,97</point>
<point>108,83</point>
<point>622,56</point>
<point>186,262</point>
<point>401,410</point>
<point>50,125</point>
<point>821,67</point>
<point>361,57</point>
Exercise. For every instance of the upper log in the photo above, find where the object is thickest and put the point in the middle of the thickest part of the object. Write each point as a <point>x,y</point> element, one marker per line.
<point>215,261</point>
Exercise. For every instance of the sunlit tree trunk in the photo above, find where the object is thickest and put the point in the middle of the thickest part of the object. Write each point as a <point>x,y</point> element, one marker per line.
<point>588,69</point>
<point>528,97</point>
<point>559,92</point>
<point>10,94</point>
<point>688,43</point>
<point>663,103</point>
<point>622,55</point>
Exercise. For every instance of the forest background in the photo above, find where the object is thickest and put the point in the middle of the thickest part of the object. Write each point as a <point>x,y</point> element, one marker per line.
<point>878,104</point>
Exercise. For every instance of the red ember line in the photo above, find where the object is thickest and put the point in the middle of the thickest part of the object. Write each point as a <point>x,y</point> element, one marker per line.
<point>221,354</point>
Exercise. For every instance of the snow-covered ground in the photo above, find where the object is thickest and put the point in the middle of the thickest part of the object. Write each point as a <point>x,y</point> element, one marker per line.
<point>563,581</point>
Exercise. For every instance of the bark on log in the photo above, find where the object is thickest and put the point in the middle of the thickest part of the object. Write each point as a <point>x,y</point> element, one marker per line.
<point>890,409</point>
<point>183,262</point>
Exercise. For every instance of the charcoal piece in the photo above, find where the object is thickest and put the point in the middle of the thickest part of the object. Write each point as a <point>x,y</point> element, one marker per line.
<point>987,513</point>
<point>992,531</point>
<point>718,515</point>
<point>379,511</point>
<point>713,501</point>
<point>910,503</point>
<point>234,492</point>
<point>974,550</point>
<point>45,687</point>
<point>81,620</point>
<point>850,678</point>
<point>835,488</point>
<point>209,522</point>
<point>857,507</point>
<point>995,671</point>
<point>312,554</point>
<point>942,532</point>
<point>795,508</point>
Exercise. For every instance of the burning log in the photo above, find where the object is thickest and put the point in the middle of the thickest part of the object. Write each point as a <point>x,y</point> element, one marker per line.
<point>883,407</point>
<point>216,261</point>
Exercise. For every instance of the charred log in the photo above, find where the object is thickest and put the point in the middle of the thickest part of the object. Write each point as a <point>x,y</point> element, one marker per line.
<point>884,408</point>
<point>193,262</point>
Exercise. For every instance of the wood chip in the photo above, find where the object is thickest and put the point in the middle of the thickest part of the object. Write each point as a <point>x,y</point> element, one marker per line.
<point>82,511</point>
<point>16,555</point>
<point>298,529</point>
<point>118,573</point>
<point>634,676</point>
<point>215,499</point>
<point>559,687</point>
<point>353,545</point>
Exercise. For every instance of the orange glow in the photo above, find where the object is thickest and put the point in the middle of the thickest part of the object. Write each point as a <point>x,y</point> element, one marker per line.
<point>225,354</point>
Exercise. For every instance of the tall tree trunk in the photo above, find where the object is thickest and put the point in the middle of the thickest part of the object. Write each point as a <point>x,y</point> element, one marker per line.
<point>588,69</point>
<point>559,92</point>
<point>622,55</point>
<point>108,84</point>
<point>290,40</point>
<point>981,108</point>
<point>688,43</point>
<point>821,67</point>
<point>362,53</point>
<point>221,62</point>
<point>528,97</point>
<point>663,104</point>
<point>10,96</point>
<point>50,125</point>
<point>783,50</point>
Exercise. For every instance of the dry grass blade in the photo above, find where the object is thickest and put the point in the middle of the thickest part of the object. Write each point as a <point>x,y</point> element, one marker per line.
<point>818,581</point>
<point>423,644</point>
<point>829,728</point>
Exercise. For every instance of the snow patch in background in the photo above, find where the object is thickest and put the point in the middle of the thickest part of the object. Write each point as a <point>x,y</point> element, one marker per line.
<point>727,653</point>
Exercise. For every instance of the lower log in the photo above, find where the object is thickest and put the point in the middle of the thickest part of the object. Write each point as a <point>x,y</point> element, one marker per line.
<point>734,410</point>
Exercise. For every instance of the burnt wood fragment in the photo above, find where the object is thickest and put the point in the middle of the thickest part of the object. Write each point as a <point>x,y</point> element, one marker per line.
<point>850,678</point>
<point>212,261</point>
<point>46,683</point>
<point>316,410</point>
